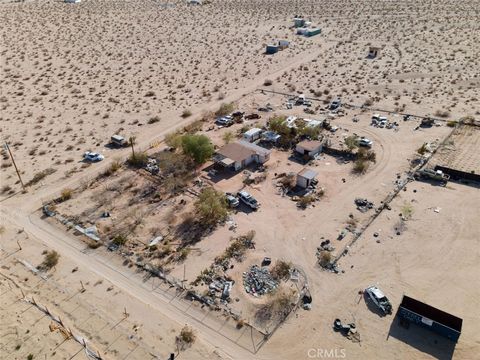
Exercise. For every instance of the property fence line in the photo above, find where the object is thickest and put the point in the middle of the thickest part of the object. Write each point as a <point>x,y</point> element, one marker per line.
<point>354,106</point>
<point>389,198</point>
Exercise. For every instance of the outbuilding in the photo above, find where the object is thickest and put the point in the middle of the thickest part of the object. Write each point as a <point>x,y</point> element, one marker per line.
<point>373,51</point>
<point>309,147</point>
<point>306,177</point>
<point>271,49</point>
<point>252,135</point>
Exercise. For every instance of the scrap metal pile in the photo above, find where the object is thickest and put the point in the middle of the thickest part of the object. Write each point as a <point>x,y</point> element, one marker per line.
<point>363,205</point>
<point>258,281</point>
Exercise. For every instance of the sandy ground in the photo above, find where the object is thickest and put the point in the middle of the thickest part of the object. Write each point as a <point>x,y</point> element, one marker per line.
<point>79,73</point>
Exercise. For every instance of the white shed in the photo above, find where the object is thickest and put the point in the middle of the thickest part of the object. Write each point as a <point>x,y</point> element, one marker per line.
<point>306,177</point>
<point>253,134</point>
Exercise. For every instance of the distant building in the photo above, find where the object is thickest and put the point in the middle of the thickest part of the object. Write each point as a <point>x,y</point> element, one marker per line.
<point>240,154</point>
<point>271,49</point>
<point>373,51</point>
<point>72,1</point>
<point>306,177</point>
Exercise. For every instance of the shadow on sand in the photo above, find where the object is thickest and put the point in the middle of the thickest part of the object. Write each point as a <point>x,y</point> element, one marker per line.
<point>421,339</point>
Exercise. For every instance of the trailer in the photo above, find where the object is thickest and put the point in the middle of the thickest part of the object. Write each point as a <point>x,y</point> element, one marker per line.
<point>445,324</point>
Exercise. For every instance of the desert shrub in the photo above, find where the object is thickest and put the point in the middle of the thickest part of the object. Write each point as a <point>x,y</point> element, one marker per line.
<point>351,142</point>
<point>197,147</point>
<point>113,168</point>
<point>225,109</point>
<point>360,166</point>
<point>211,206</point>
<point>281,270</point>
<point>30,357</point>
<point>194,127</point>
<point>6,188</point>
<point>120,239</point>
<point>186,338</point>
<point>150,93</point>
<point>174,140</point>
<point>228,137</point>
<point>325,258</point>
<point>40,176</point>
<point>153,120</point>
<point>367,155</point>
<point>422,149</point>
<point>278,306</point>
<point>305,201</point>
<point>66,194</point>
<point>240,323</point>
<point>186,113</point>
<point>138,159</point>
<point>442,113</point>
<point>50,260</point>
<point>267,82</point>
<point>407,211</point>
<point>451,123</point>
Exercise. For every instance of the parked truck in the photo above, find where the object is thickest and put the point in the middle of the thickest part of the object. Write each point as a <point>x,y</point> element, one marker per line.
<point>430,174</point>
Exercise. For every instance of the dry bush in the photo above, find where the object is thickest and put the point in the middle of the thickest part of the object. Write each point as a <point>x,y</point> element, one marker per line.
<point>325,258</point>
<point>186,338</point>
<point>186,113</point>
<point>40,176</point>
<point>281,270</point>
<point>360,166</point>
<point>138,159</point>
<point>278,306</point>
<point>66,194</point>
<point>50,260</point>
<point>225,109</point>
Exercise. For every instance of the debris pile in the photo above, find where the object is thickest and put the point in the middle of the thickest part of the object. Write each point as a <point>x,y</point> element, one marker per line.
<point>258,281</point>
<point>325,246</point>
<point>363,205</point>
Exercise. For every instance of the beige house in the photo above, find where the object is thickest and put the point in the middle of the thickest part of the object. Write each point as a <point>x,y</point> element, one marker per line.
<point>240,154</point>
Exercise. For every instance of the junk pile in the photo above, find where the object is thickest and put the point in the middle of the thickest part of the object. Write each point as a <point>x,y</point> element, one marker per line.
<point>347,330</point>
<point>152,166</point>
<point>325,246</point>
<point>258,281</point>
<point>363,205</point>
<point>221,285</point>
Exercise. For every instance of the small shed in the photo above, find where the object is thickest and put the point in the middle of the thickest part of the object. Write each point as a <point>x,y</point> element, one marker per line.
<point>253,134</point>
<point>283,44</point>
<point>313,32</point>
<point>373,51</point>
<point>72,1</point>
<point>309,147</point>
<point>271,49</point>
<point>306,177</point>
<point>298,22</point>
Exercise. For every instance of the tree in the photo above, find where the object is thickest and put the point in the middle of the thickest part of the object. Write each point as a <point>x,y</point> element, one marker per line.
<point>211,206</point>
<point>351,142</point>
<point>197,147</point>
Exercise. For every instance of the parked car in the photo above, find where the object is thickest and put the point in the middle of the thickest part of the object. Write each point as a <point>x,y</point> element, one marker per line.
<point>379,299</point>
<point>232,200</point>
<point>225,120</point>
<point>335,104</point>
<point>365,142</point>
<point>93,156</point>
<point>248,200</point>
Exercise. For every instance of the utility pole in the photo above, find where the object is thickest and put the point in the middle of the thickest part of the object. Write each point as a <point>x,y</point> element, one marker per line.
<point>14,164</point>
<point>132,143</point>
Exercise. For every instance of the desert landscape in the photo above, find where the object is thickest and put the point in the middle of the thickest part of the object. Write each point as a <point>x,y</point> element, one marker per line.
<point>273,162</point>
